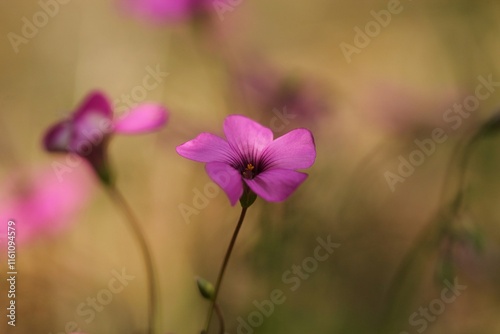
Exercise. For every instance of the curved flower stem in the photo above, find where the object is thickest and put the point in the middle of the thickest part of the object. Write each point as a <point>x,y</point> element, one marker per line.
<point>223,268</point>
<point>220,315</point>
<point>464,162</point>
<point>122,204</point>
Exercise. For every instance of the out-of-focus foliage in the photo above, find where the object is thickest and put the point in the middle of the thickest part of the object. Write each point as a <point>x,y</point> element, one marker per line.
<point>393,92</point>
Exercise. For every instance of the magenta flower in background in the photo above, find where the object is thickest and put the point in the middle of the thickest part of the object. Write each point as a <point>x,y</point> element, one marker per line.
<point>249,158</point>
<point>88,130</point>
<point>40,204</point>
<point>166,11</point>
<point>290,99</point>
<point>401,109</point>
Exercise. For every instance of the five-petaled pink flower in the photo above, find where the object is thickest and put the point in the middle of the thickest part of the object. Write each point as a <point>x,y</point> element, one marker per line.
<point>87,132</point>
<point>251,159</point>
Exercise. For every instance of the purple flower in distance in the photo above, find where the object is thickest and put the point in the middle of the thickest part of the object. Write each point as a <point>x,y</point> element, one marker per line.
<point>87,131</point>
<point>249,158</point>
<point>41,204</point>
<point>291,98</point>
<point>166,11</point>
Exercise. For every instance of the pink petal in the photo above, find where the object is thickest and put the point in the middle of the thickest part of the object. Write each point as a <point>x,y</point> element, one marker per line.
<point>95,102</point>
<point>294,150</point>
<point>246,136</point>
<point>228,178</point>
<point>206,147</point>
<point>276,185</point>
<point>144,118</point>
<point>58,137</point>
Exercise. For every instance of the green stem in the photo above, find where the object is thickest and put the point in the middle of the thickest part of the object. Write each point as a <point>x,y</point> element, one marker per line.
<point>432,235</point>
<point>223,268</point>
<point>220,315</point>
<point>122,204</point>
<point>457,204</point>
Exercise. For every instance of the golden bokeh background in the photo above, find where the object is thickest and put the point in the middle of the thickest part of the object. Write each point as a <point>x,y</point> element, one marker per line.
<point>367,111</point>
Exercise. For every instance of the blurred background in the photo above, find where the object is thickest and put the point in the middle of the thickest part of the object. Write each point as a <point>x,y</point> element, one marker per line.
<point>395,92</point>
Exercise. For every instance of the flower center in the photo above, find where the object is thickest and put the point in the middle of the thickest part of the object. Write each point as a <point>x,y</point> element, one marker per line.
<point>249,173</point>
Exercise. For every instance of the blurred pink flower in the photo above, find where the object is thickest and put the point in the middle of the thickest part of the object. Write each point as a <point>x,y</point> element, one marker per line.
<point>402,109</point>
<point>249,157</point>
<point>273,94</point>
<point>40,204</point>
<point>87,132</point>
<point>166,11</point>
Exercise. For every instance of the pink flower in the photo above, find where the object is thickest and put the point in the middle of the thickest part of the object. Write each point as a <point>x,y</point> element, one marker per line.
<point>402,109</point>
<point>40,204</point>
<point>166,11</point>
<point>249,158</point>
<point>89,128</point>
<point>275,94</point>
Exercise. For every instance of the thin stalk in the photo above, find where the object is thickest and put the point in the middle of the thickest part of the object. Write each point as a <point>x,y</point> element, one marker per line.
<point>220,315</point>
<point>464,162</point>
<point>122,204</point>
<point>433,234</point>
<point>223,268</point>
